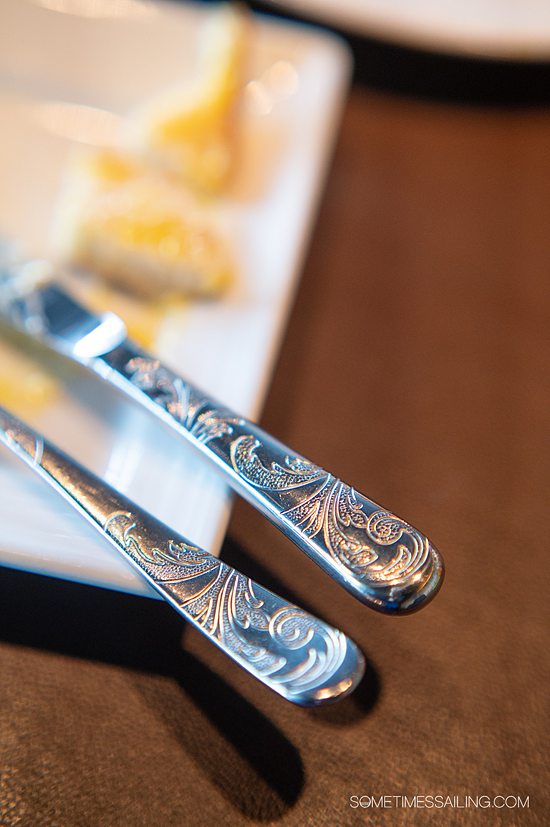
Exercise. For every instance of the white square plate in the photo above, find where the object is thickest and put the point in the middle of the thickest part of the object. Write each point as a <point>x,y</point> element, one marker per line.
<point>69,69</point>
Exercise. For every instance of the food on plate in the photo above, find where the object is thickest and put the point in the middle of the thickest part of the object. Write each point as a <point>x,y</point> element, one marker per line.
<point>138,217</point>
<point>25,387</point>
<point>138,229</point>
<point>191,129</point>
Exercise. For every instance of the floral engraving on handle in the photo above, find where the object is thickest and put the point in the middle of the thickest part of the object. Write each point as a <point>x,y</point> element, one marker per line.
<point>327,509</point>
<point>375,545</point>
<point>294,472</point>
<point>197,415</point>
<point>281,642</point>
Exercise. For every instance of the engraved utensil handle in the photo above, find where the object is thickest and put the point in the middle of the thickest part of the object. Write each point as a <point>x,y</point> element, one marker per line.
<point>379,558</point>
<point>300,657</point>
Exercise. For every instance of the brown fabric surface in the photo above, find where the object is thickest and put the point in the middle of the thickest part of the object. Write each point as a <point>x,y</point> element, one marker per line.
<point>414,368</point>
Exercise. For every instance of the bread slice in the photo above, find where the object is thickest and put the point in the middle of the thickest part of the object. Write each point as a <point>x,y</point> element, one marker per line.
<point>138,229</point>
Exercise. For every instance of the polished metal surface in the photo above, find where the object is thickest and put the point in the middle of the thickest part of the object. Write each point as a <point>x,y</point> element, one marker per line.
<point>300,657</point>
<point>382,560</point>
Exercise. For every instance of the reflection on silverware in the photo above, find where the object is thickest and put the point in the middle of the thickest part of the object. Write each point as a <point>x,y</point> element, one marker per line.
<point>300,657</point>
<point>382,560</point>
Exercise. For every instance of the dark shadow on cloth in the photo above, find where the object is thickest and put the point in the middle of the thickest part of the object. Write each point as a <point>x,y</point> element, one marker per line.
<point>250,760</point>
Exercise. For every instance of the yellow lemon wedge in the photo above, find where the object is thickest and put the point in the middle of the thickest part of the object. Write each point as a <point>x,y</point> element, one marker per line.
<point>191,130</point>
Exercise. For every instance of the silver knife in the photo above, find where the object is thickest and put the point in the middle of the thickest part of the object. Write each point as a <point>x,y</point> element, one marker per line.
<point>300,657</point>
<point>378,557</point>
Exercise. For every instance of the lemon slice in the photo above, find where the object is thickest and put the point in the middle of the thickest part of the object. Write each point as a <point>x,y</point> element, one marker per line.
<point>191,130</point>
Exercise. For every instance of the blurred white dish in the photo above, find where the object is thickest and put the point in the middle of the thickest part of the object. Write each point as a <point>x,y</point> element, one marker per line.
<point>69,71</point>
<point>507,29</point>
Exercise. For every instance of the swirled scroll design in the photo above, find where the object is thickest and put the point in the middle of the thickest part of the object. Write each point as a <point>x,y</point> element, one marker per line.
<point>294,473</point>
<point>375,545</point>
<point>281,641</point>
<point>197,415</point>
<point>327,509</point>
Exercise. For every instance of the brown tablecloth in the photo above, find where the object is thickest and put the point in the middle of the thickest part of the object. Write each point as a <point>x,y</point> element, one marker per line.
<point>414,368</point>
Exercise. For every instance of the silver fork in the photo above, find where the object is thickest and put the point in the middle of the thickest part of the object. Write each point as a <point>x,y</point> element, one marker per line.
<point>379,558</point>
<point>300,657</point>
